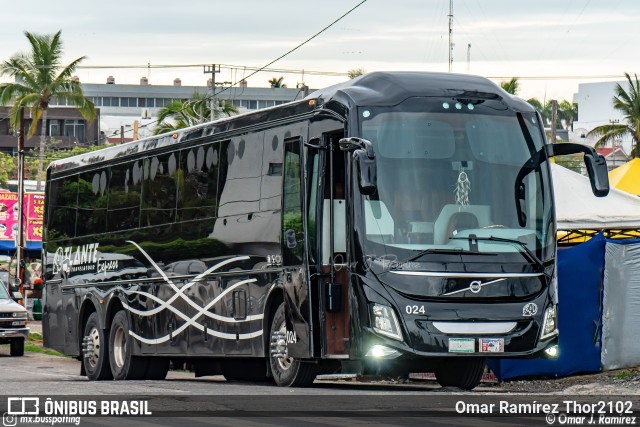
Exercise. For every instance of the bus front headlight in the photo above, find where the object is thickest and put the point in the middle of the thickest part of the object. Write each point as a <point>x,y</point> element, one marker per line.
<point>385,321</point>
<point>550,323</point>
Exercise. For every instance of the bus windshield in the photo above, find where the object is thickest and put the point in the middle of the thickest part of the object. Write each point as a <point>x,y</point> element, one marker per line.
<point>446,178</point>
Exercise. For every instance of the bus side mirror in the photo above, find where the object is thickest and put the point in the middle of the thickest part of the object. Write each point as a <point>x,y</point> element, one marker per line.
<point>595,163</point>
<point>365,162</point>
<point>598,174</point>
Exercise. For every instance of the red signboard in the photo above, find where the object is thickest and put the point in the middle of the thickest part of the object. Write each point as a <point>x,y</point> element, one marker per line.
<point>33,215</point>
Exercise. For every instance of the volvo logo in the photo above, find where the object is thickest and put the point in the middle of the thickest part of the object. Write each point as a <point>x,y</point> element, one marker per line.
<point>475,286</point>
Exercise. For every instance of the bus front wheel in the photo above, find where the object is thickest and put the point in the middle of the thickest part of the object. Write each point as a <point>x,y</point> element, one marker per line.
<point>287,371</point>
<point>464,373</point>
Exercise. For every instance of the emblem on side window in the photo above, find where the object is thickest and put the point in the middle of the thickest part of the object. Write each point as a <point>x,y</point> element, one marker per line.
<point>530,309</point>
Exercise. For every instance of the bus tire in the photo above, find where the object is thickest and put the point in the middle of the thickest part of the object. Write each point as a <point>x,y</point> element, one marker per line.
<point>17,347</point>
<point>124,365</point>
<point>96,362</point>
<point>464,373</point>
<point>157,368</point>
<point>244,370</point>
<point>287,371</point>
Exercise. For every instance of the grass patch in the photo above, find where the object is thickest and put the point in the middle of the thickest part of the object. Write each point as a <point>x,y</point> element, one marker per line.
<point>35,336</point>
<point>623,374</point>
<point>32,347</point>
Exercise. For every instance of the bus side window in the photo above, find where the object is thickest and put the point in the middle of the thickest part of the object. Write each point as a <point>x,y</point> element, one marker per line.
<point>159,189</point>
<point>198,193</point>
<point>63,203</point>
<point>92,203</point>
<point>124,196</point>
<point>292,231</point>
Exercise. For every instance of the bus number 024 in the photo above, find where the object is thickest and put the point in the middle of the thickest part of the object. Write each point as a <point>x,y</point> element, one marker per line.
<point>415,309</point>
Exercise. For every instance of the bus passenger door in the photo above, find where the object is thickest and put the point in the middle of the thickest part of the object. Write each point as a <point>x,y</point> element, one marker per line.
<point>333,250</point>
<point>294,276</point>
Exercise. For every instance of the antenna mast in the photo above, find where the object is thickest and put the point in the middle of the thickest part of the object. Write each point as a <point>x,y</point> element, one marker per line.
<point>450,34</point>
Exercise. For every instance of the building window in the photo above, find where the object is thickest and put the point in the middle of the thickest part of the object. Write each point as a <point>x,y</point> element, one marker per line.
<point>142,102</point>
<point>253,104</point>
<point>75,128</point>
<point>54,128</point>
<point>110,101</point>
<point>128,102</point>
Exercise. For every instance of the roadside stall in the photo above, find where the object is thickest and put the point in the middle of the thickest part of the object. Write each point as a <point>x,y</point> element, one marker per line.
<point>626,177</point>
<point>598,283</point>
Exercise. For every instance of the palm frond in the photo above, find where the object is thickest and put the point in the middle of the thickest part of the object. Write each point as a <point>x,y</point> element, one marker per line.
<point>607,133</point>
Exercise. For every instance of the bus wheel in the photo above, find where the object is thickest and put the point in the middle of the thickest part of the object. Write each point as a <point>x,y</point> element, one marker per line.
<point>464,373</point>
<point>94,347</point>
<point>244,370</point>
<point>287,371</point>
<point>157,368</point>
<point>124,365</point>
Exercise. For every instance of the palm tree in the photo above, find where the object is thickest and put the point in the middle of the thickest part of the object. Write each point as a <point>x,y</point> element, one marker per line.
<point>543,109</point>
<point>511,86</point>
<point>182,114</point>
<point>277,82</point>
<point>40,78</point>
<point>628,103</point>
<point>356,72</point>
<point>566,112</point>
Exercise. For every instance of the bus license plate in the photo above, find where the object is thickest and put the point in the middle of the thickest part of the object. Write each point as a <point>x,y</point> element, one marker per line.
<point>462,345</point>
<point>491,345</point>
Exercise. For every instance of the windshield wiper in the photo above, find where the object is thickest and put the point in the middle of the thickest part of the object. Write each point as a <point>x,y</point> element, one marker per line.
<point>446,251</point>
<point>522,245</point>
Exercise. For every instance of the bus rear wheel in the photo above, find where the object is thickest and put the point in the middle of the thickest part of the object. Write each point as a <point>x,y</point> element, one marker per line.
<point>464,373</point>
<point>124,365</point>
<point>287,371</point>
<point>95,350</point>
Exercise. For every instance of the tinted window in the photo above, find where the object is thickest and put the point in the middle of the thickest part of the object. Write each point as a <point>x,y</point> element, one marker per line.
<point>124,196</point>
<point>159,190</point>
<point>63,196</point>
<point>199,186</point>
<point>292,234</point>
<point>92,203</point>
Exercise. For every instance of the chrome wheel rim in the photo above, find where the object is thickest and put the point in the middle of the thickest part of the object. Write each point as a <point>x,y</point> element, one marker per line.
<point>284,362</point>
<point>94,356</point>
<point>119,347</point>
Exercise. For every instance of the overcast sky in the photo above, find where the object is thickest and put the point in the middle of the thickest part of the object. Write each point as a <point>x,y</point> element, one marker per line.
<point>543,38</point>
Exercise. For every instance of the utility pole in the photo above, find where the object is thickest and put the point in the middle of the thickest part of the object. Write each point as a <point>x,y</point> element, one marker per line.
<point>213,70</point>
<point>450,35</point>
<point>121,134</point>
<point>469,58</point>
<point>135,130</point>
<point>19,236</point>
<point>554,120</point>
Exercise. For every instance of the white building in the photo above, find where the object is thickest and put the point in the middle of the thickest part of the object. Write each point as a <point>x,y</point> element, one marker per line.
<point>595,108</point>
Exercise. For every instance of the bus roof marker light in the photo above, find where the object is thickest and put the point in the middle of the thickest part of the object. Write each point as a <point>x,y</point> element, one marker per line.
<point>445,105</point>
<point>312,103</point>
<point>366,113</point>
<point>174,136</point>
<point>458,106</point>
<point>470,106</point>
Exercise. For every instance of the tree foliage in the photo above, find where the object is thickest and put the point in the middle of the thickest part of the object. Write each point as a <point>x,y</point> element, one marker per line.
<point>179,114</point>
<point>276,82</point>
<point>628,103</point>
<point>511,86</point>
<point>40,78</point>
<point>356,72</point>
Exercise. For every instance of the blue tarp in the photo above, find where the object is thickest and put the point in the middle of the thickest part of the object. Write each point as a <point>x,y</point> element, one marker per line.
<point>580,275</point>
<point>7,246</point>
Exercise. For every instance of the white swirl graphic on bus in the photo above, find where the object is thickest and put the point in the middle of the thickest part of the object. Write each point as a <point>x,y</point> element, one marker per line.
<point>201,311</point>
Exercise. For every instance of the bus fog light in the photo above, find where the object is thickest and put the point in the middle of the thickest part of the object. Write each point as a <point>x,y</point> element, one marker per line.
<point>550,323</point>
<point>552,351</point>
<point>382,352</point>
<point>385,322</point>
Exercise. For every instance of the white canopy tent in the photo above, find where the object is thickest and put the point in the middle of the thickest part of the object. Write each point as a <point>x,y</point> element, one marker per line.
<point>578,209</point>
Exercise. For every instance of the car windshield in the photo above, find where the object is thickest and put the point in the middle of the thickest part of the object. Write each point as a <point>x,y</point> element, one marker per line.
<point>446,178</point>
<point>3,290</point>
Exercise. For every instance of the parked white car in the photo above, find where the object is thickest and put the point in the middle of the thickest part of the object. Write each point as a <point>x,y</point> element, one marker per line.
<point>13,321</point>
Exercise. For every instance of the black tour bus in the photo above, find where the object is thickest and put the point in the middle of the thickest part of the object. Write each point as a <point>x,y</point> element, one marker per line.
<point>398,222</point>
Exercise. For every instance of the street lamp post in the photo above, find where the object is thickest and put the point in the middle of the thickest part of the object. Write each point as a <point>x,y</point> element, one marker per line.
<point>19,235</point>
